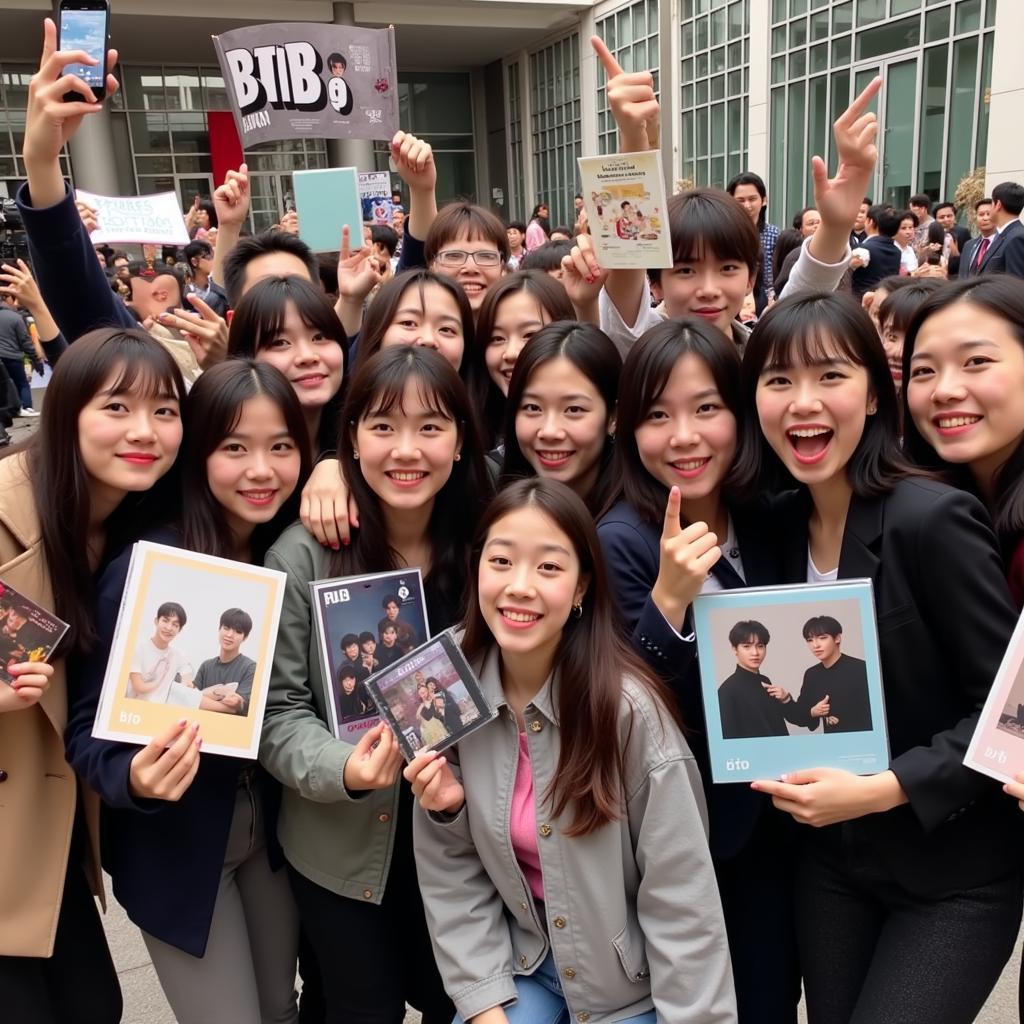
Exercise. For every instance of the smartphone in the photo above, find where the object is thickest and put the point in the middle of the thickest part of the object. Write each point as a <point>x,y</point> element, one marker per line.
<point>85,25</point>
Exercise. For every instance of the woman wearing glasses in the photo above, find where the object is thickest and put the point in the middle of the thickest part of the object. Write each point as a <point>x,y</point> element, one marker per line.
<point>470,245</point>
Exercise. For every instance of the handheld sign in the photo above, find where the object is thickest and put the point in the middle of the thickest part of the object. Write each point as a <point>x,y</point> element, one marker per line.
<point>326,201</point>
<point>152,220</point>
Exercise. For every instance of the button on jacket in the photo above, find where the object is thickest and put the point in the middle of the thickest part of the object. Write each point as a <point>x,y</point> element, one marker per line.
<point>633,914</point>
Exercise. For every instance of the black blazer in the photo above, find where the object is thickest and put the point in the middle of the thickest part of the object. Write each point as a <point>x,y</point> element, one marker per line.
<point>968,252</point>
<point>632,551</point>
<point>945,618</point>
<point>885,260</point>
<point>1006,253</point>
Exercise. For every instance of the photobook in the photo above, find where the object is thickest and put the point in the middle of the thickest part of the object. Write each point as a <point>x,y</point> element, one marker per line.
<point>194,639</point>
<point>430,698</point>
<point>624,197</point>
<point>364,624</point>
<point>791,679</point>
<point>27,631</point>
<point>997,746</point>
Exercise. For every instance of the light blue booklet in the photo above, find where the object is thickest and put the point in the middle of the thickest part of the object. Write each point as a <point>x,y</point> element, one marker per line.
<point>326,201</point>
<point>791,679</point>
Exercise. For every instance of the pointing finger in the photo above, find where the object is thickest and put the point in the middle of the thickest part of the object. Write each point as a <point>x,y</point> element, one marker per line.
<point>672,526</point>
<point>604,55</point>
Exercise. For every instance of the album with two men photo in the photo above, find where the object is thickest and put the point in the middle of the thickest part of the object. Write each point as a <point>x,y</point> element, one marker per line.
<point>791,679</point>
<point>27,631</point>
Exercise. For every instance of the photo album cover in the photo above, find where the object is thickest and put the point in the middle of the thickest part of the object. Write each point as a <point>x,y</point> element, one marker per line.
<point>430,698</point>
<point>364,624</point>
<point>791,679</point>
<point>195,639</point>
<point>27,632</point>
<point>997,746</point>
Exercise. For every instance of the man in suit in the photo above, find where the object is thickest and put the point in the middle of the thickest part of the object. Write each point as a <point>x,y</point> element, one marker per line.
<point>945,214</point>
<point>835,691</point>
<point>882,223</point>
<point>973,252</point>
<point>1006,253</point>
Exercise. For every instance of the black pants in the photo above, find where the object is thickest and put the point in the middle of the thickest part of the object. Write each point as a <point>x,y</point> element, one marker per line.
<point>871,951</point>
<point>756,887</point>
<point>78,984</point>
<point>374,958</point>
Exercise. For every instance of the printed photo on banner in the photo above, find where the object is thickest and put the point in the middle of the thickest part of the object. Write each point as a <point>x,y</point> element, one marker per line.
<point>625,200</point>
<point>27,632</point>
<point>997,746</point>
<point>194,639</point>
<point>305,79</point>
<point>364,624</point>
<point>375,197</point>
<point>430,698</point>
<point>791,679</point>
<point>154,219</point>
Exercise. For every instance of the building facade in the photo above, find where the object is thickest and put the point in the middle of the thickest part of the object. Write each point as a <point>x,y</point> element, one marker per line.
<point>509,93</point>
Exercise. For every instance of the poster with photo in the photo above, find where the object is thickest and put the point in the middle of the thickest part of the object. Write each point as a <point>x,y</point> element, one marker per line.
<point>375,197</point>
<point>997,746</point>
<point>430,698</point>
<point>194,639</point>
<point>364,624</point>
<point>27,631</point>
<point>626,205</point>
<point>791,679</point>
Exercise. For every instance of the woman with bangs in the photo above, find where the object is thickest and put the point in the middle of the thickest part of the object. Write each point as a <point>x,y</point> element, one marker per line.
<point>513,311</point>
<point>411,454</point>
<point>560,413</point>
<point>72,498</point>
<point>909,881</point>
<point>673,529</point>
<point>468,244</point>
<point>188,841</point>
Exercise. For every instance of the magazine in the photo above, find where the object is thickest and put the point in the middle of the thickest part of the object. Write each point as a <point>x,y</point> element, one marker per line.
<point>364,624</point>
<point>430,698</point>
<point>194,639</point>
<point>27,632</point>
<point>791,679</point>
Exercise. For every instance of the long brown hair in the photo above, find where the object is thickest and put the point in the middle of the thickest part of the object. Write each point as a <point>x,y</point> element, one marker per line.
<point>592,658</point>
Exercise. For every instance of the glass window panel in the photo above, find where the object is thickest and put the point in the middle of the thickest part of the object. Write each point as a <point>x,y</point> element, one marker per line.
<point>896,35</point>
<point>701,65</point>
<point>796,169</point>
<point>735,83</point>
<point>779,39</point>
<point>778,70</point>
<point>735,20</point>
<point>840,99</point>
<point>968,16</point>
<point>701,34</point>
<point>961,112</point>
<point>687,95</point>
<point>990,13</point>
<point>216,95</point>
<point>936,25</point>
<point>701,141</point>
<point>778,10</point>
<point>149,132</point>
<point>819,26</point>
<point>798,64</point>
<point>718,128</point>
<point>182,89</point>
<point>735,125</point>
<point>440,101</point>
<point>150,186</point>
<point>777,141</point>
<point>746,50</point>
<point>687,39</point>
<point>702,91</point>
<point>144,88</point>
<point>869,11</point>
<point>625,29</point>
<point>842,17</point>
<point>815,4</point>
<point>817,121</point>
<point>686,140</point>
<point>904,7</point>
<point>702,6</point>
<point>933,119</point>
<point>717,173</point>
<point>7,171</point>
<point>841,51</point>
<point>898,138</point>
<point>718,29</point>
<point>986,85</point>
<point>798,32</point>
<point>718,87</point>
<point>735,54</point>
<point>718,59</point>
<point>819,57</point>
<point>688,69</point>
<point>154,164</point>
<point>189,133</point>
<point>639,20</point>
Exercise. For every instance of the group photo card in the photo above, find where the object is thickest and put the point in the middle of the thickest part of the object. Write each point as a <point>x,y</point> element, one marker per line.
<point>364,624</point>
<point>430,698</point>
<point>997,746</point>
<point>27,631</point>
<point>195,639</point>
<point>791,679</point>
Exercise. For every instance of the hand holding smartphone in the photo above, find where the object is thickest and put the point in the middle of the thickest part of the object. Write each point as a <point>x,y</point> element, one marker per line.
<point>85,25</point>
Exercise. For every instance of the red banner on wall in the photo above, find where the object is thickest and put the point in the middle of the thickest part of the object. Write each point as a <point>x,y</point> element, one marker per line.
<point>225,146</point>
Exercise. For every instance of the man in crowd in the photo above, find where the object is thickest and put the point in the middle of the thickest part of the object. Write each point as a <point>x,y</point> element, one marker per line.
<point>945,214</point>
<point>1005,255</point>
<point>15,345</point>
<point>921,207</point>
<point>882,223</point>
<point>973,252</point>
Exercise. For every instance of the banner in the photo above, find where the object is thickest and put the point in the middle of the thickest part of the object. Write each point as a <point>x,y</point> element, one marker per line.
<point>375,196</point>
<point>305,79</point>
<point>156,219</point>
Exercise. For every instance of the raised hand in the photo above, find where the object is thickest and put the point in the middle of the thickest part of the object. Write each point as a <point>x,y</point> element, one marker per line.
<point>583,279</point>
<point>231,200</point>
<point>434,783</point>
<point>414,161</point>
<point>632,101</point>
<point>205,331</point>
<point>357,273</point>
<point>166,766</point>
<point>687,555</point>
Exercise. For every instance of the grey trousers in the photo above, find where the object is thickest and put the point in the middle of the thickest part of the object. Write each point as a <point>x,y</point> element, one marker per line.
<point>248,972</point>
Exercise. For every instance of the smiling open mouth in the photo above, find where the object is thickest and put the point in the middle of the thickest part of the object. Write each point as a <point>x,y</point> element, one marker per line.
<point>519,619</point>
<point>407,477</point>
<point>956,424</point>
<point>809,444</point>
<point>553,459</point>
<point>689,468</point>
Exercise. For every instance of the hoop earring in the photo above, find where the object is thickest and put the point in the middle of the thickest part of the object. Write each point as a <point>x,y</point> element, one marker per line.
<point>577,610</point>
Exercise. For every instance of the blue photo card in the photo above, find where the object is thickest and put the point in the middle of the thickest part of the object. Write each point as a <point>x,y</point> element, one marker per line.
<point>326,201</point>
<point>791,679</point>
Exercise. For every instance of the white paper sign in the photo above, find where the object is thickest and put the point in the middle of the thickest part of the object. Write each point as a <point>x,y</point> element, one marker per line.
<point>155,219</point>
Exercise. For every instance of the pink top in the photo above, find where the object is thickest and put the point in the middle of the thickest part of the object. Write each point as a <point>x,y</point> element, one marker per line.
<point>523,822</point>
<point>534,236</point>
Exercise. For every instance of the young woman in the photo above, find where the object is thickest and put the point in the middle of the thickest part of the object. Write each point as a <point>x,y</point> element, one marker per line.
<point>287,322</point>
<point>563,861</point>
<point>410,451</point>
<point>560,414</point>
<point>673,530</point>
<point>538,229</point>
<point>98,467</point>
<point>189,842</point>
<point>469,244</point>
<point>513,311</point>
<point>748,189</point>
<point>900,863</point>
<point>895,314</point>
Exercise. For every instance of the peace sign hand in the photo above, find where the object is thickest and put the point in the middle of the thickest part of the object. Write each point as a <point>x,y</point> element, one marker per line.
<point>205,332</point>
<point>687,555</point>
<point>632,101</point>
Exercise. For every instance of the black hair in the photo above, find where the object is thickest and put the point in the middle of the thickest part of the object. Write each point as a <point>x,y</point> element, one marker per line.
<point>248,249</point>
<point>921,199</point>
<point>822,625</point>
<point>809,327</point>
<point>365,636</point>
<point>903,215</point>
<point>464,220</point>
<point>547,256</point>
<point>347,671</point>
<point>899,306</point>
<point>388,627</point>
<point>982,202</point>
<point>562,229</point>
<point>709,219</point>
<point>889,220</point>
<point>798,218</point>
<point>197,249</point>
<point>348,640</point>
<point>936,233</point>
<point>385,235</point>
<point>390,599</point>
<point>788,240</point>
<point>169,608</point>
<point>237,620</point>
<point>645,373</point>
<point>750,178</point>
<point>337,58</point>
<point>747,628</point>
<point>518,225</point>
<point>942,206</point>
<point>1011,195</point>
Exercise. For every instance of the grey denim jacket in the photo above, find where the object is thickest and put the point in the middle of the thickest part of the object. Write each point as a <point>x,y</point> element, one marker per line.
<point>633,914</point>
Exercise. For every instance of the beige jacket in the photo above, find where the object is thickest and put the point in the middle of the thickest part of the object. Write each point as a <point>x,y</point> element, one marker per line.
<point>38,790</point>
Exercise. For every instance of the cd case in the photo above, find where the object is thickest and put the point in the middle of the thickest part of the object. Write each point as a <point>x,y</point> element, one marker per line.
<point>27,632</point>
<point>791,679</point>
<point>430,698</point>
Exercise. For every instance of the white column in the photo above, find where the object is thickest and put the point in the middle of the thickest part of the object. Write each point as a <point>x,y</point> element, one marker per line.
<point>349,152</point>
<point>1004,160</point>
<point>757,98</point>
<point>92,154</point>
<point>588,85</point>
